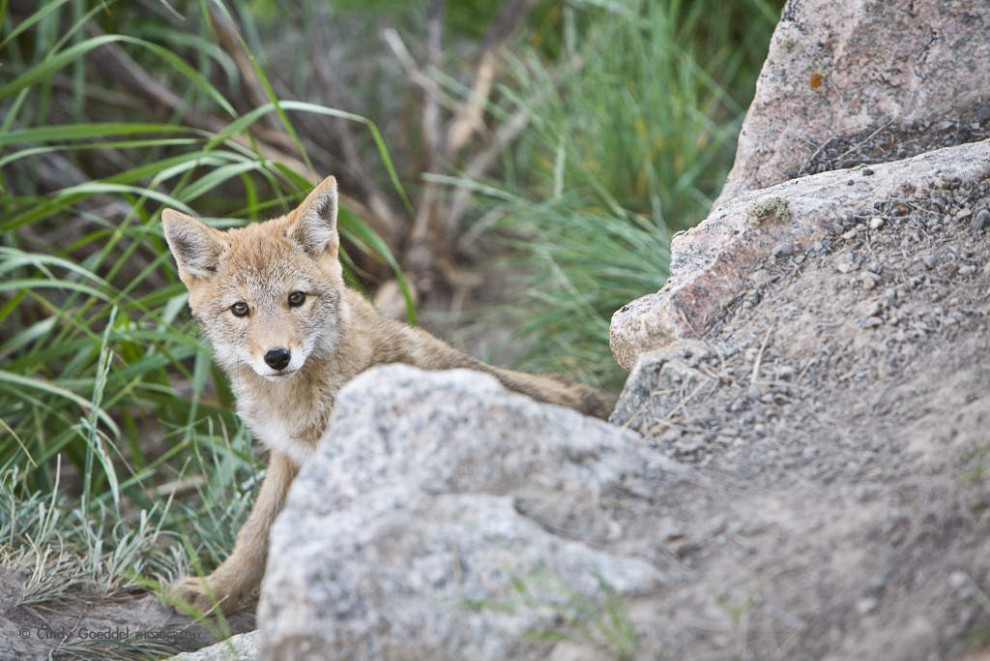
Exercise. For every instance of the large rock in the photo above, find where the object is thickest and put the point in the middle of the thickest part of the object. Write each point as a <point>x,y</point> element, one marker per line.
<point>713,264</point>
<point>849,82</point>
<point>445,517</point>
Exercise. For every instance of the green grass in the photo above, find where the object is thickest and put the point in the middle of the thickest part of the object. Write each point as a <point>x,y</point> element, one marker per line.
<point>107,393</point>
<point>629,147</point>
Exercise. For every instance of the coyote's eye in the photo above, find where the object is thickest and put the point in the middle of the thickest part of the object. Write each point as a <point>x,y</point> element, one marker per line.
<point>296,299</point>
<point>239,309</point>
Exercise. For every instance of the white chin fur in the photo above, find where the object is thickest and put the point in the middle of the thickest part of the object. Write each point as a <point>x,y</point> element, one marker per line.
<point>279,376</point>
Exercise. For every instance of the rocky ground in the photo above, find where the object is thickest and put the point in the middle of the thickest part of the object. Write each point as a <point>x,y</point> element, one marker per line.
<point>839,409</point>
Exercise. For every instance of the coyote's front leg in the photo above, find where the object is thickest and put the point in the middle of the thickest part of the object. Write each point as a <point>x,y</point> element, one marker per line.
<point>238,576</point>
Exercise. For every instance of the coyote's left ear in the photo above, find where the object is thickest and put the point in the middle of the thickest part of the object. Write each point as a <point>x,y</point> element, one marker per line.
<point>315,228</point>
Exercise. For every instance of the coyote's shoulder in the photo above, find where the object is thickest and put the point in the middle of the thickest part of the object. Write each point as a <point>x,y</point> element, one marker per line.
<point>270,298</point>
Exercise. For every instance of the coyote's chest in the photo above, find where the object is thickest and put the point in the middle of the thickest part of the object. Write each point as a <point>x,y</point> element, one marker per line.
<point>281,436</point>
<point>291,426</point>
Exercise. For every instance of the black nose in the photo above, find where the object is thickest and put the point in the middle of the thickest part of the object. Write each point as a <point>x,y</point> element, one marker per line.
<point>278,359</point>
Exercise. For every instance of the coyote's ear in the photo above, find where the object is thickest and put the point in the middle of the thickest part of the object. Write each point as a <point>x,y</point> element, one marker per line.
<point>195,246</point>
<point>315,228</point>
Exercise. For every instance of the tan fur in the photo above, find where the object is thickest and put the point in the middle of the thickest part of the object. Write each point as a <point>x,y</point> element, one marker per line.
<point>333,336</point>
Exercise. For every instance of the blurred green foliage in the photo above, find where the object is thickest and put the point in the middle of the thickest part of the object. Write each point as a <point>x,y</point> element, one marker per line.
<point>633,133</point>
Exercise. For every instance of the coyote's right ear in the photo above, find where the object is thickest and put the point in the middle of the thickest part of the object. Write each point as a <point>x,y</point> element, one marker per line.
<point>195,246</point>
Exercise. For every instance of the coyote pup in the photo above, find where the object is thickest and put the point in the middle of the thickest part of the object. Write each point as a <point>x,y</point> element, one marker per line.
<point>270,298</point>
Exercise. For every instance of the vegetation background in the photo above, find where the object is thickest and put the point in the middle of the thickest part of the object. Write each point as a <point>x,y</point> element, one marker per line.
<point>518,165</point>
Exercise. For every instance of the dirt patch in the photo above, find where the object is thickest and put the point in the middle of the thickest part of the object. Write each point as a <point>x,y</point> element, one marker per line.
<point>840,409</point>
<point>91,627</point>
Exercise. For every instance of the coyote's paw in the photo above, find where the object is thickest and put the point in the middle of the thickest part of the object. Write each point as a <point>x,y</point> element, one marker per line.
<point>204,594</point>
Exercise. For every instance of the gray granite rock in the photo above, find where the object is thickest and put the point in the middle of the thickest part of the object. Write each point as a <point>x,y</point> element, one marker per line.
<point>445,517</point>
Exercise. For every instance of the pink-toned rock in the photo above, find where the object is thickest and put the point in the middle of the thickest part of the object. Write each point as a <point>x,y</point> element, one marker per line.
<point>713,263</point>
<point>845,83</point>
<point>864,81</point>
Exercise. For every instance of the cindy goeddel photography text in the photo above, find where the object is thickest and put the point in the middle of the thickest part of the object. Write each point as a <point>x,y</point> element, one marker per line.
<point>107,634</point>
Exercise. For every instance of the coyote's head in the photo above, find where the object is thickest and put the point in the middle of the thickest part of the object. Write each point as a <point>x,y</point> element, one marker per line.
<point>266,295</point>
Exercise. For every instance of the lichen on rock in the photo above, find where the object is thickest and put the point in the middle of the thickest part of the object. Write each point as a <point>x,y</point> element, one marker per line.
<point>767,211</point>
